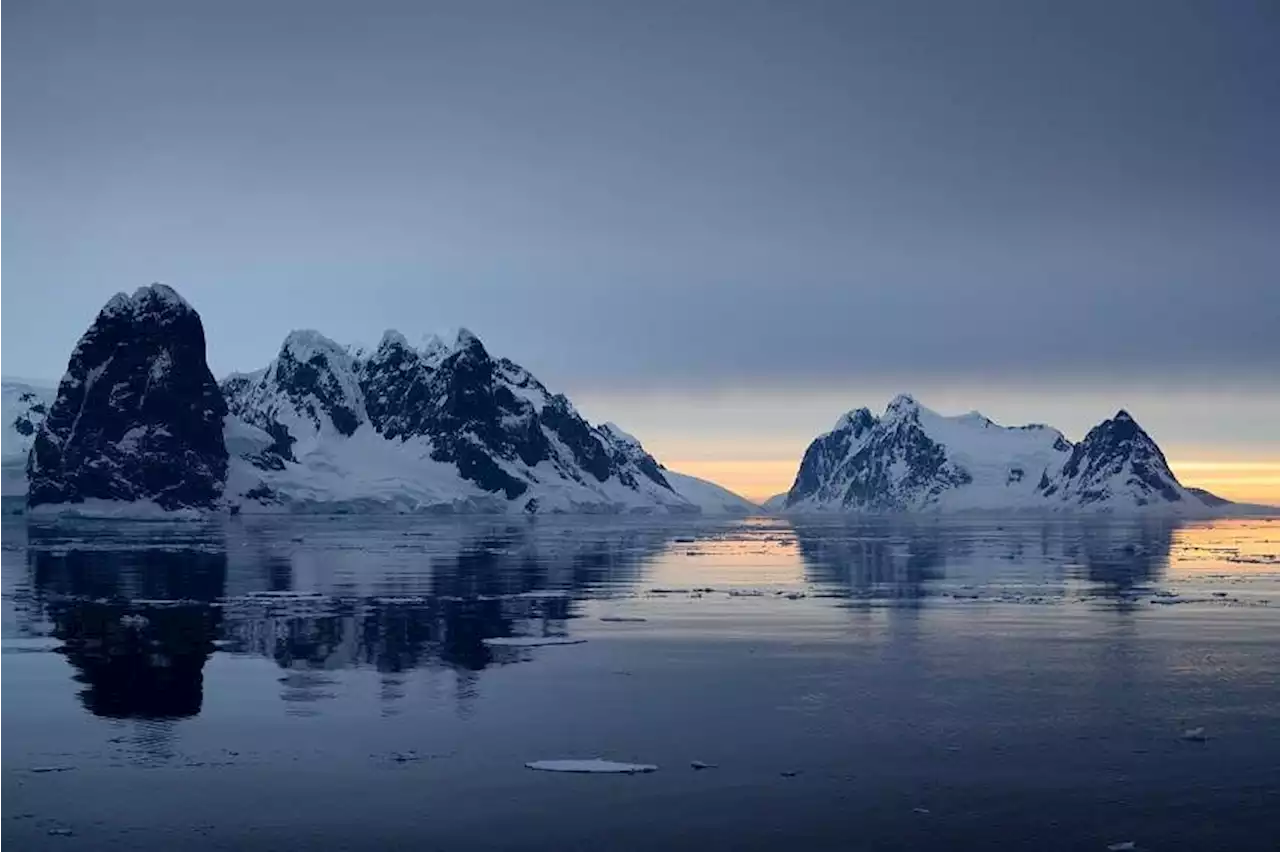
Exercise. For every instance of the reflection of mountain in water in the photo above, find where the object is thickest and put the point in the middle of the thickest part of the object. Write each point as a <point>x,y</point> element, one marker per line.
<point>1119,557</point>
<point>138,626</point>
<point>906,559</point>
<point>433,600</point>
<point>875,559</point>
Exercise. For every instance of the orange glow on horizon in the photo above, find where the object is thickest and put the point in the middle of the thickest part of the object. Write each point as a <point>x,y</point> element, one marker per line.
<point>1245,481</point>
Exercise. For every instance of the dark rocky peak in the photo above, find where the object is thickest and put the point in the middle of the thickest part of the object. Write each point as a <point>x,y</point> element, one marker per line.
<point>467,345</point>
<point>625,448</point>
<point>138,415</point>
<point>830,451</point>
<point>1117,460</point>
<point>317,379</point>
<point>433,349</point>
<point>396,383</point>
<point>857,422</point>
<point>465,385</point>
<point>902,406</point>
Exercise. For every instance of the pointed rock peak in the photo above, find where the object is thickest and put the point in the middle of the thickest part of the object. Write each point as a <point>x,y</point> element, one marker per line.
<point>393,339</point>
<point>302,344</point>
<point>902,405</point>
<point>432,346</point>
<point>1120,427</point>
<point>468,347</point>
<point>153,295</point>
<point>859,419</point>
<point>467,339</point>
<point>162,293</point>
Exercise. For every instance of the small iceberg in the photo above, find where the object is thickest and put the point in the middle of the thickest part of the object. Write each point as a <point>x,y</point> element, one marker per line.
<point>698,764</point>
<point>1195,735</point>
<point>1123,846</point>
<point>30,645</point>
<point>531,641</point>
<point>593,766</point>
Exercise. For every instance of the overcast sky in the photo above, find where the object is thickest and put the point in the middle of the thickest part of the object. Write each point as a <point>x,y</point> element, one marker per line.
<point>704,215</point>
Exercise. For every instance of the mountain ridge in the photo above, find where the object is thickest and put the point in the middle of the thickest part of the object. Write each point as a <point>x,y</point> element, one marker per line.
<point>913,459</point>
<point>323,427</point>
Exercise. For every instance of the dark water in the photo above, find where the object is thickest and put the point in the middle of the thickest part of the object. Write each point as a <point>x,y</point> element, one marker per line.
<point>327,683</point>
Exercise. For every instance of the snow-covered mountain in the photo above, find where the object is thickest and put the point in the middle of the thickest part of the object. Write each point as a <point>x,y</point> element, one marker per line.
<point>24,409</point>
<point>1117,465</point>
<point>446,428</point>
<point>138,418</point>
<point>913,459</point>
<point>710,498</point>
<point>138,421</point>
<point>776,503</point>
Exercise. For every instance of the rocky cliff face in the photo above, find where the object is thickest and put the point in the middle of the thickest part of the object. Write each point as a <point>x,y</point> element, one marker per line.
<point>1117,464</point>
<point>913,459</point>
<point>138,416</point>
<point>436,426</point>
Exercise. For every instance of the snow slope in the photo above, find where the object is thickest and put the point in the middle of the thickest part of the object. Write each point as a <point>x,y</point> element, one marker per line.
<point>776,503</point>
<point>25,405</point>
<point>712,499</point>
<point>1118,467</point>
<point>913,459</point>
<point>436,428</point>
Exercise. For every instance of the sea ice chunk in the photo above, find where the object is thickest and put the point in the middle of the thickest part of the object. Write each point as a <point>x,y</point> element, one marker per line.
<point>595,765</point>
<point>531,641</point>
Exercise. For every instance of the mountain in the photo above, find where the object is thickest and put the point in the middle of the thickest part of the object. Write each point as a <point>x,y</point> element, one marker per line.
<point>139,424</point>
<point>24,408</point>
<point>436,428</point>
<point>1117,465</point>
<point>776,503</point>
<point>1209,498</point>
<point>913,459</point>
<point>711,499</point>
<point>138,418</point>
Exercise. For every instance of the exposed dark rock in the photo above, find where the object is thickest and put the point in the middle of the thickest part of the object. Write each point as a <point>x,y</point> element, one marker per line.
<point>1117,460</point>
<point>138,415</point>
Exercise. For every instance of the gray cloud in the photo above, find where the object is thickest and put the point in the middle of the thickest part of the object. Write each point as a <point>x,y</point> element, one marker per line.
<point>626,194</point>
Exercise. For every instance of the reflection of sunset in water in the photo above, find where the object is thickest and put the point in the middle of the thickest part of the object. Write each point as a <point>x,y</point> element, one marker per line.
<point>758,552</point>
<point>1238,546</point>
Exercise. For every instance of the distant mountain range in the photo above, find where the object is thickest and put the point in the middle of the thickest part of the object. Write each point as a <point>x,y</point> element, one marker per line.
<point>138,423</point>
<point>912,459</point>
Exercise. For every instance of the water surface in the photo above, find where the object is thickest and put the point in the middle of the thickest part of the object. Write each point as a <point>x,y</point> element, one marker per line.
<point>937,684</point>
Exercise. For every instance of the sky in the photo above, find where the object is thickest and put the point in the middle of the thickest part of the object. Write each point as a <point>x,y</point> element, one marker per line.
<point>719,224</point>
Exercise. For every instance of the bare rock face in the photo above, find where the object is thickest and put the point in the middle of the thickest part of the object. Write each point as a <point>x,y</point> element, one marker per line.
<point>138,415</point>
<point>1117,463</point>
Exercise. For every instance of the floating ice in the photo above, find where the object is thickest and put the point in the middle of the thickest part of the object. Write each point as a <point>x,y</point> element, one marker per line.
<point>595,765</point>
<point>1123,846</point>
<point>531,641</point>
<point>698,764</point>
<point>134,622</point>
<point>30,645</point>
<point>622,618</point>
<point>1195,735</point>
